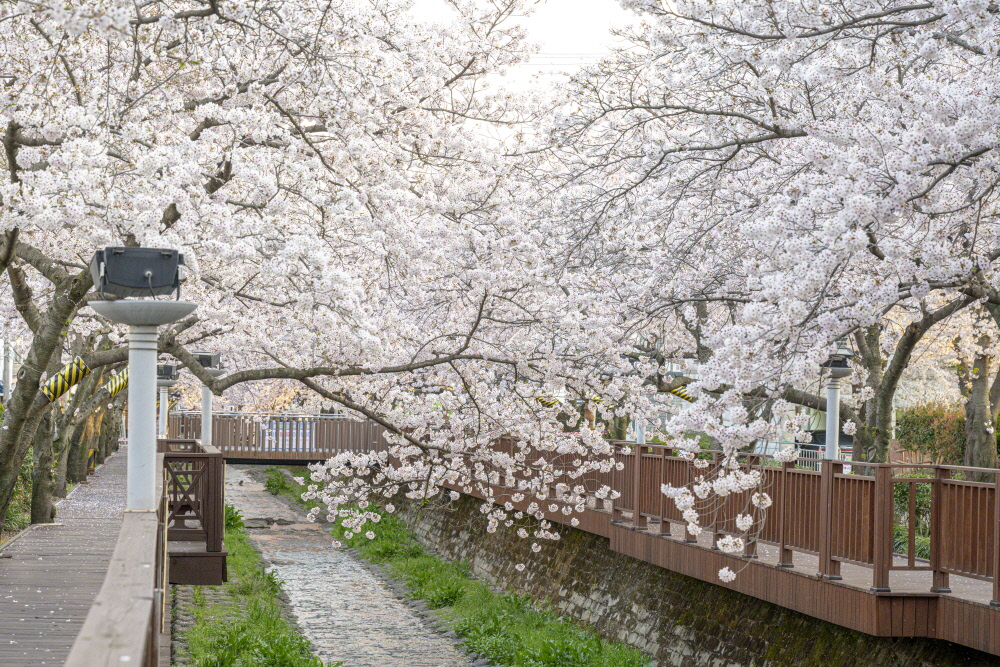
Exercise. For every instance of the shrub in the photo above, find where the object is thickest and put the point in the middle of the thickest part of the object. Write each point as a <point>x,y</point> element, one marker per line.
<point>277,483</point>
<point>233,517</point>
<point>934,431</point>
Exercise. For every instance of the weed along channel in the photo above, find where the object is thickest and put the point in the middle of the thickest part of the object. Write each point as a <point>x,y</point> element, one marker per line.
<point>312,594</point>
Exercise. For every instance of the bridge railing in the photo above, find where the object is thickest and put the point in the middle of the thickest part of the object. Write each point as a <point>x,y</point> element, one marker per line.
<point>281,436</point>
<point>124,624</point>
<point>195,479</point>
<point>937,519</point>
<point>886,517</point>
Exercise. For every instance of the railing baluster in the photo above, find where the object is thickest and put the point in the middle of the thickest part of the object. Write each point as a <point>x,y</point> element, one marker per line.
<point>939,583</point>
<point>664,526</point>
<point>828,567</point>
<point>995,602</point>
<point>784,553</point>
<point>638,522</point>
<point>882,553</point>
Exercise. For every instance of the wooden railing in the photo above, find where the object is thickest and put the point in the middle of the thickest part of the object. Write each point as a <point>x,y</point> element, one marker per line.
<point>863,515</point>
<point>860,521</point>
<point>195,478</point>
<point>866,516</point>
<point>280,437</point>
<point>126,619</point>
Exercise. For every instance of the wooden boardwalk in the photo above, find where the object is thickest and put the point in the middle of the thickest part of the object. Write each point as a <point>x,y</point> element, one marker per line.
<point>50,574</point>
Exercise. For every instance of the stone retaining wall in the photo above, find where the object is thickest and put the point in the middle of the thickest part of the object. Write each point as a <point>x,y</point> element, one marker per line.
<point>677,619</point>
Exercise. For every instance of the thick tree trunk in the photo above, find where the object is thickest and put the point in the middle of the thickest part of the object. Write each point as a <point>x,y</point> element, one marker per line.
<point>42,480</point>
<point>60,467</point>
<point>980,441</point>
<point>79,450</point>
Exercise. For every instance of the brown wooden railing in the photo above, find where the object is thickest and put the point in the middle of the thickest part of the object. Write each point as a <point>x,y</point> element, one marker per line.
<point>858,525</point>
<point>195,478</point>
<point>280,437</point>
<point>127,617</point>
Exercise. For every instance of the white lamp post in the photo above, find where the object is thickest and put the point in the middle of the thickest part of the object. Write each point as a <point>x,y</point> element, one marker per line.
<point>140,272</point>
<point>166,377</point>
<point>840,367</point>
<point>211,363</point>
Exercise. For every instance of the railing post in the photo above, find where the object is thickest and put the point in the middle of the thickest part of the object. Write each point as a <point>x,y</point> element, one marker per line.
<point>784,553</point>
<point>882,539</point>
<point>939,583</point>
<point>828,567</point>
<point>661,499</point>
<point>638,521</point>
<point>995,601</point>
<point>714,533</point>
<point>614,479</point>
<point>214,511</point>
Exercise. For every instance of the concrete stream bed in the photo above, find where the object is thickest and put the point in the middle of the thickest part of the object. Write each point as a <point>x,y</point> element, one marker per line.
<point>350,610</point>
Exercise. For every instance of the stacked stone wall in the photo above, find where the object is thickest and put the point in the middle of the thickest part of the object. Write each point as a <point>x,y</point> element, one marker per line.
<point>676,619</point>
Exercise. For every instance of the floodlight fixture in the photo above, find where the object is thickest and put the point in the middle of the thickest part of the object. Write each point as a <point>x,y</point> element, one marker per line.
<point>208,359</point>
<point>137,272</point>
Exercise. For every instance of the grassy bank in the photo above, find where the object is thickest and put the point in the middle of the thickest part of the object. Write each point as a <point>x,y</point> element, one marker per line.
<point>506,629</point>
<point>246,627</point>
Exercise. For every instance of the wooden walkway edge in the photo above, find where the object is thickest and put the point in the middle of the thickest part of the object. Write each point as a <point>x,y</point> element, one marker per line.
<point>50,575</point>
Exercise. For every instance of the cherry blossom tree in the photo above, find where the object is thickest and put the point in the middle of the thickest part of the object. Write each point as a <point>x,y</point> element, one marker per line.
<point>345,222</point>
<point>781,175</point>
<point>757,180</point>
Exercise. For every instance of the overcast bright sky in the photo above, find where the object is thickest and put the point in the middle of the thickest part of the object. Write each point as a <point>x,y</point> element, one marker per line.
<point>570,32</point>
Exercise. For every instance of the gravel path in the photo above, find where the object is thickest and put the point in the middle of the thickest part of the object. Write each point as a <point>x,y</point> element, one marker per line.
<point>343,605</point>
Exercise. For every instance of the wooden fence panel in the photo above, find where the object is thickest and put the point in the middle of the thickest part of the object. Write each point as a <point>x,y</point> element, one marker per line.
<point>967,527</point>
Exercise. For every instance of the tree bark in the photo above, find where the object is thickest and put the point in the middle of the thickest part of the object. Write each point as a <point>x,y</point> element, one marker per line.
<point>980,440</point>
<point>43,509</point>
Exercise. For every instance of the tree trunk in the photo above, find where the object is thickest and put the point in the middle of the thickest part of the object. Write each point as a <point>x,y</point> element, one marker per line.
<point>79,450</point>
<point>42,481</point>
<point>619,428</point>
<point>980,441</point>
<point>61,463</point>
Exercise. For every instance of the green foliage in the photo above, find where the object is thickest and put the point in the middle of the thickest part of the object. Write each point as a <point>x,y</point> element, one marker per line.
<point>277,482</point>
<point>901,542</point>
<point>19,511</point>
<point>936,432</point>
<point>508,631</point>
<point>249,629</point>
<point>233,517</point>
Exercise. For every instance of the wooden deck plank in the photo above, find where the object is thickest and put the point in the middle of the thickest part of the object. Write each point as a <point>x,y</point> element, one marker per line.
<point>50,575</point>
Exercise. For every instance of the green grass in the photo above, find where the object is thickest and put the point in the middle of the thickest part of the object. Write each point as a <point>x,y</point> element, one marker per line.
<point>248,628</point>
<point>505,629</point>
<point>279,484</point>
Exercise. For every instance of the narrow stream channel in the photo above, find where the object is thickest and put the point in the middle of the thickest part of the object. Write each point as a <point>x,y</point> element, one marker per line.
<point>346,611</point>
